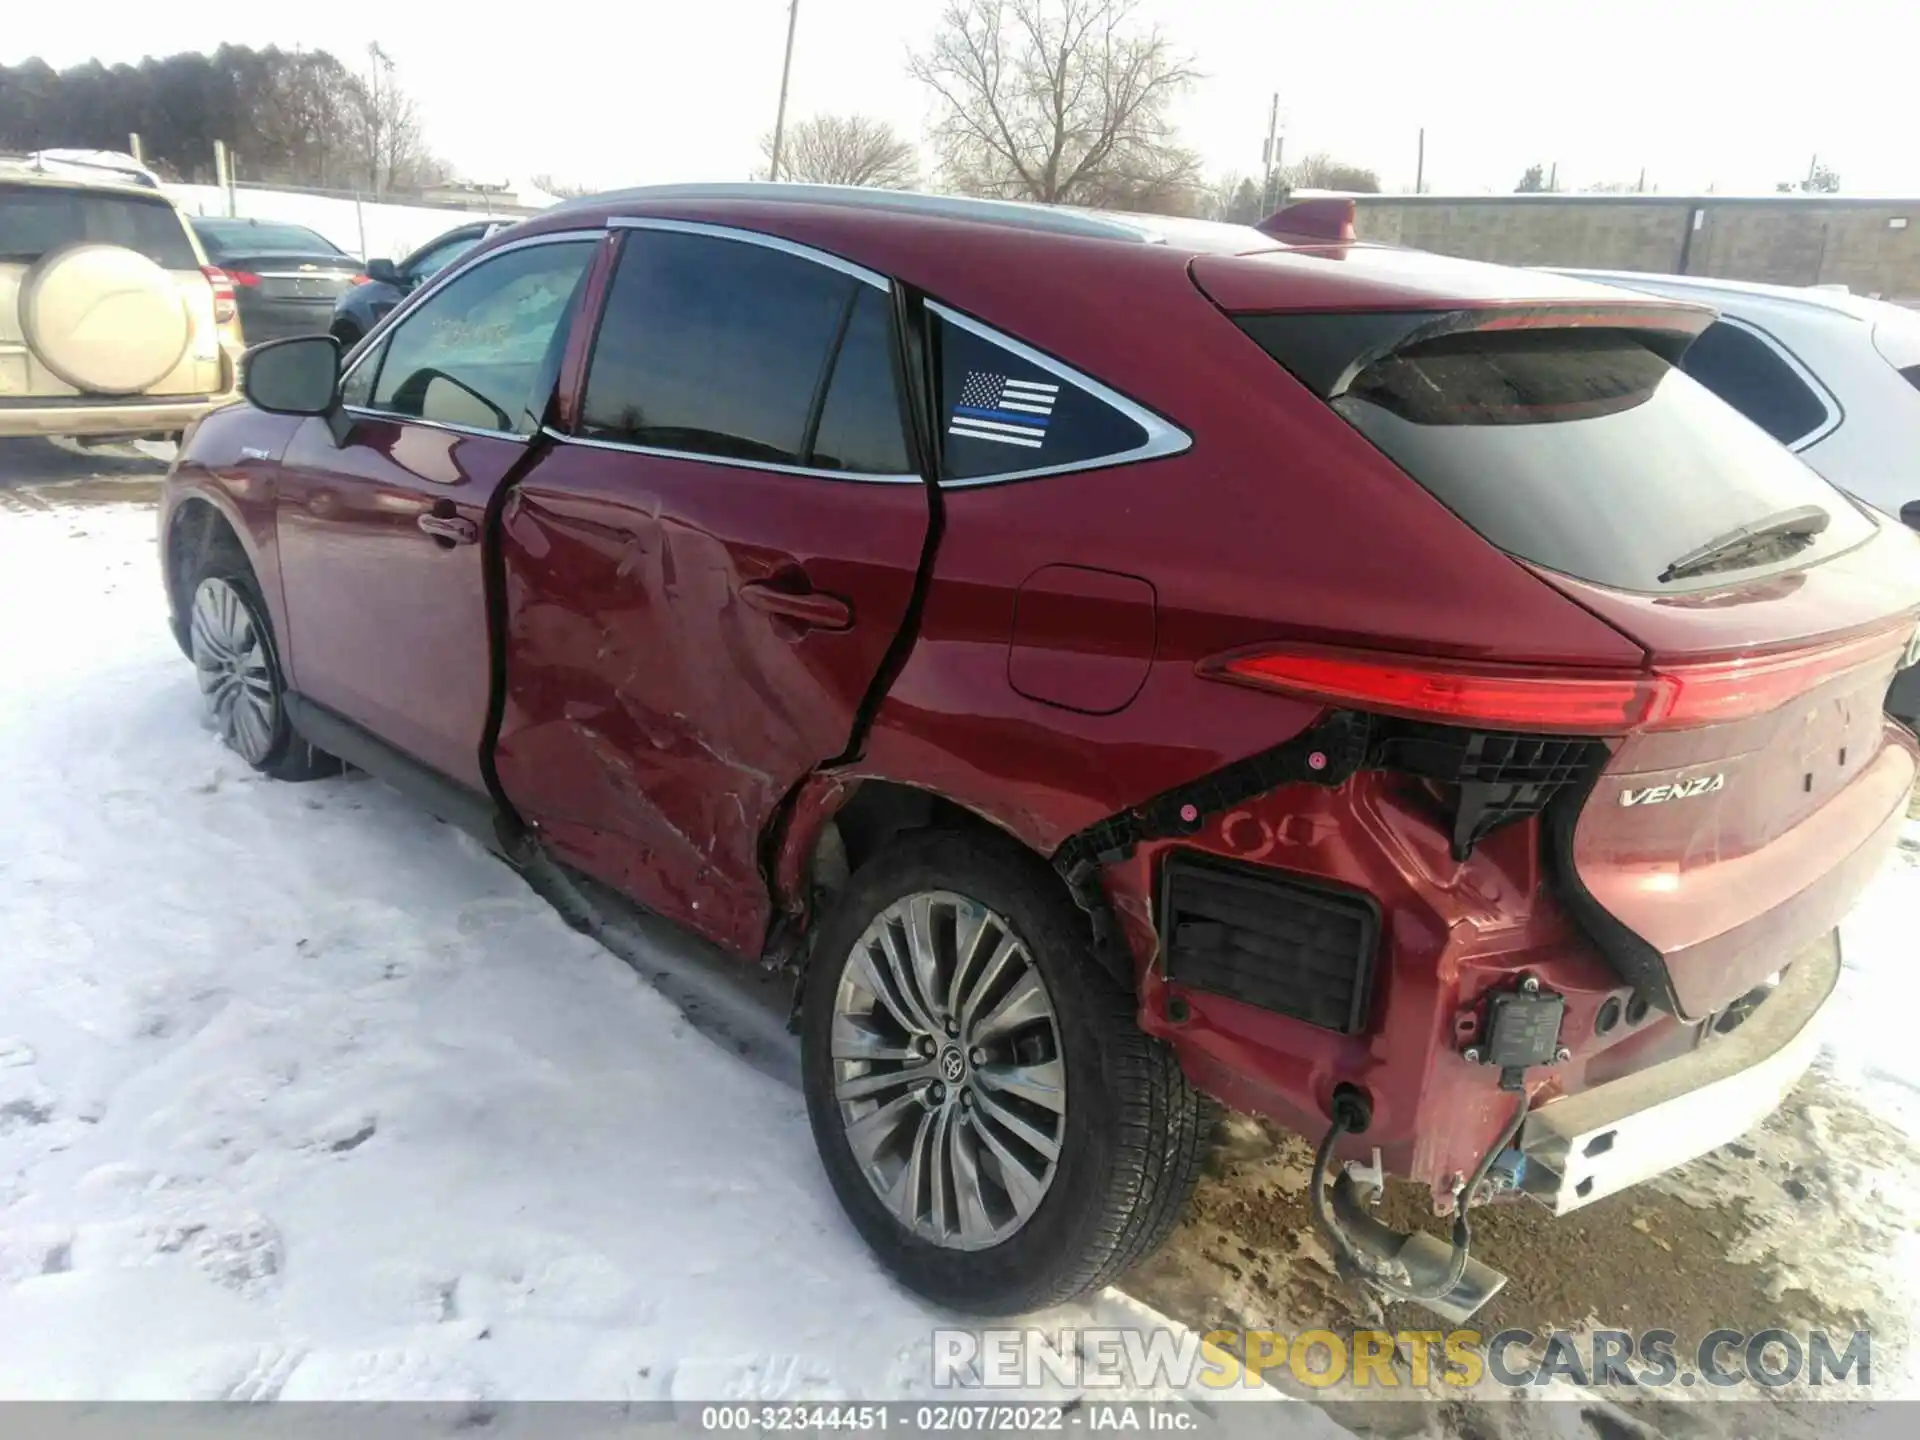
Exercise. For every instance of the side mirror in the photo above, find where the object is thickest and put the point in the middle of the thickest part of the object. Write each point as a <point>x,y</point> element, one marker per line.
<point>296,376</point>
<point>1910,513</point>
<point>386,272</point>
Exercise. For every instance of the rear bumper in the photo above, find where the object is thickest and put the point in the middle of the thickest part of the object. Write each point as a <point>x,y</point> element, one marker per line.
<point>131,417</point>
<point>1586,1146</point>
<point>276,319</point>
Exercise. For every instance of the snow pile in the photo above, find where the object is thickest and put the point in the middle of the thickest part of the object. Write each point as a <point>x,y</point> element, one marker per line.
<point>304,1095</point>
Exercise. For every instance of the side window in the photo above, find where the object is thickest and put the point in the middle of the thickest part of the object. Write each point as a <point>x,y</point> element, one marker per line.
<point>472,354</point>
<point>1750,375</point>
<point>713,347</point>
<point>356,391</point>
<point>1001,413</point>
<point>441,256</point>
<point>859,428</point>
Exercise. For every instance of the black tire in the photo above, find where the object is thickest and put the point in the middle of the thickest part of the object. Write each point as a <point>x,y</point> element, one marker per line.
<point>287,756</point>
<point>1135,1132</point>
<point>347,333</point>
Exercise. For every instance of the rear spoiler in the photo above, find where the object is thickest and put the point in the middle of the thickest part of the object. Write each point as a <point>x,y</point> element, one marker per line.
<point>1327,351</point>
<point>1328,218</point>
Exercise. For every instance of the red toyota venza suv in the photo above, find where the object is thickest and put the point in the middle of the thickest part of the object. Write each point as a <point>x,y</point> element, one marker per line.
<point>1107,663</point>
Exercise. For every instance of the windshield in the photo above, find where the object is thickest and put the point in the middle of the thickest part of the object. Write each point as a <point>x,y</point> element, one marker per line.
<point>249,237</point>
<point>37,218</point>
<point>1585,452</point>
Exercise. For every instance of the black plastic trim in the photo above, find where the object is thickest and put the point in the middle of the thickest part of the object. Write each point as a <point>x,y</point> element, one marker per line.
<point>1281,890</point>
<point>329,730</point>
<point>1633,959</point>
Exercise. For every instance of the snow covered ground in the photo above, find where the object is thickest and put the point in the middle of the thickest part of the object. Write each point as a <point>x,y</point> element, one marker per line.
<point>303,1094</point>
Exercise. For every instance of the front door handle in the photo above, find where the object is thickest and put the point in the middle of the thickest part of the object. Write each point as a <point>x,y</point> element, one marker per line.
<point>814,609</point>
<point>449,529</point>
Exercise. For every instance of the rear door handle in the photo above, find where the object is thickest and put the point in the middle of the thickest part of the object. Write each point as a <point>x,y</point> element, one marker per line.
<point>814,609</point>
<point>450,529</point>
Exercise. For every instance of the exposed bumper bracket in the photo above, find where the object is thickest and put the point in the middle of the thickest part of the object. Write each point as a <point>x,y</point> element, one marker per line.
<point>1586,1146</point>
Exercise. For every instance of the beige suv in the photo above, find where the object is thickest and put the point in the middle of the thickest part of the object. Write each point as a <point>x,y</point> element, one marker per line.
<point>112,324</point>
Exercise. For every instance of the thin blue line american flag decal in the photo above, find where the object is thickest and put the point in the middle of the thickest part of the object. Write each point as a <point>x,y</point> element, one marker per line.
<point>1003,410</point>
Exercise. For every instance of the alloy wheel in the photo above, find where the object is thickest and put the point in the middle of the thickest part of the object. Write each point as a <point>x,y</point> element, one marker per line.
<point>234,669</point>
<point>947,1070</point>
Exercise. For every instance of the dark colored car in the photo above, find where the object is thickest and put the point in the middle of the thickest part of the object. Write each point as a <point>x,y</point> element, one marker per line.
<point>285,277</point>
<point>1105,664</point>
<point>358,310</point>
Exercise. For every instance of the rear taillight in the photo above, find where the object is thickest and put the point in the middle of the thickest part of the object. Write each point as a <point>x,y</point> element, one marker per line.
<point>243,277</point>
<point>358,279</point>
<point>222,283</point>
<point>1561,702</point>
<point>1501,697</point>
<point>1709,693</point>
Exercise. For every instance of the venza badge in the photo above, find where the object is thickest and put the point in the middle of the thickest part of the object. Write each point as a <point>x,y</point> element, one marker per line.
<point>1678,790</point>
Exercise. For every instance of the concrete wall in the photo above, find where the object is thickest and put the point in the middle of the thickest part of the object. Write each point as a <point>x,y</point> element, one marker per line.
<point>1788,240</point>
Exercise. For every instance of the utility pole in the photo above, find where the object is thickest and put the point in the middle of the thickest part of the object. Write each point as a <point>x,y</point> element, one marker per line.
<point>223,173</point>
<point>379,58</point>
<point>1420,165</point>
<point>1553,178</point>
<point>786,70</point>
<point>1270,157</point>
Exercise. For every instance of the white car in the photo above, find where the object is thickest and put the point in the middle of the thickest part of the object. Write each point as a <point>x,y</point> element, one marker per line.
<point>1833,376</point>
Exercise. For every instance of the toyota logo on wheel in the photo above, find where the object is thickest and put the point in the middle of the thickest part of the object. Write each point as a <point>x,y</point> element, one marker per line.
<point>952,1065</point>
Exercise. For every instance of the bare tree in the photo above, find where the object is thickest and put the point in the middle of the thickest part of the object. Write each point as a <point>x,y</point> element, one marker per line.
<point>1232,198</point>
<point>1534,182</point>
<point>393,149</point>
<point>846,150</point>
<point>562,189</point>
<point>1320,171</point>
<point>1059,101</point>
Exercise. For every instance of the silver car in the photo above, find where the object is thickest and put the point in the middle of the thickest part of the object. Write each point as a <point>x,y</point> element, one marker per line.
<point>1833,376</point>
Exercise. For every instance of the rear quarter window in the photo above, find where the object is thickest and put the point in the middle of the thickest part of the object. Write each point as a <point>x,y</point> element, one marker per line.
<point>1585,452</point>
<point>1003,413</point>
<point>35,219</point>
<point>1757,380</point>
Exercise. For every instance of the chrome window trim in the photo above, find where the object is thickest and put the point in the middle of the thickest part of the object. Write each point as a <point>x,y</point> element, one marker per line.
<point>1163,438</point>
<point>856,477</point>
<point>446,275</point>
<point>515,436</point>
<point>1827,399</point>
<point>752,237</point>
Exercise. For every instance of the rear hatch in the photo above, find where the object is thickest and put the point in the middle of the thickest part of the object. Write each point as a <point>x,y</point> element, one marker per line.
<point>144,312</point>
<point>1753,784</point>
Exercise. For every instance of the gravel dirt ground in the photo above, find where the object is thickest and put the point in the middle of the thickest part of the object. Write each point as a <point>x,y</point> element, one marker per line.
<point>1809,1222</point>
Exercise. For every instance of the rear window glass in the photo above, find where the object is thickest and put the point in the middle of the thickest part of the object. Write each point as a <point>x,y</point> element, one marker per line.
<point>1585,452</point>
<point>244,237</point>
<point>37,218</point>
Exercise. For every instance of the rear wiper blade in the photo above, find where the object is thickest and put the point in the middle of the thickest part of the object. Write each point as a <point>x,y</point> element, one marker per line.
<point>1801,522</point>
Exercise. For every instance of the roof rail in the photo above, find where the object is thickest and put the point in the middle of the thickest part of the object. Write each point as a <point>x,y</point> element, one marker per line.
<point>1322,218</point>
<point>1025,215</point>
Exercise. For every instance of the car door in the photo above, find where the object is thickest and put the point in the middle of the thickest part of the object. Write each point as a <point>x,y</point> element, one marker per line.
<point>379,529</point>
<point>704,576</point>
